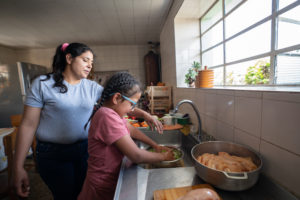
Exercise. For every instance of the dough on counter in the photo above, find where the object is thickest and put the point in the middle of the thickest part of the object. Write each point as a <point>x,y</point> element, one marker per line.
<point>200,194</point>
<point>225,162</point>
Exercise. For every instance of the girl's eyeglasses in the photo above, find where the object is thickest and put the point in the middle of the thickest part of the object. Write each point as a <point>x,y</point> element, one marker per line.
<point>133,105</point>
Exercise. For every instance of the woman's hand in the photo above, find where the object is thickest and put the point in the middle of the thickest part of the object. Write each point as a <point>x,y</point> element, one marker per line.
<point>154,123</point>
<point>21,182</point>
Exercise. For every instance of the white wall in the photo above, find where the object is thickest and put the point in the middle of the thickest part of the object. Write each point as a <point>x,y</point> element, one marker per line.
<point>268,122</point>
<point>121,57</point>
<point>187,43</point>
<point>108,58</point>
<point>7,55</point>
<point>36,56</point>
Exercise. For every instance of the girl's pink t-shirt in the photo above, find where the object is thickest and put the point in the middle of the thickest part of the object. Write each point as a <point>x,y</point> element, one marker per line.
<point>105,158</point>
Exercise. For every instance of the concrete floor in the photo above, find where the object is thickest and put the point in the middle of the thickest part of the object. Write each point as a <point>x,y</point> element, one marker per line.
<point>38,191</point>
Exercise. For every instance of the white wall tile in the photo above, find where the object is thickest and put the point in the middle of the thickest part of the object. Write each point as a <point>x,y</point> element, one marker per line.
<point>253,94</point>
<point>282,166</point>
<point>225,108</point>
<point>210,126</point>
<point>244,138</point>
<point>248,115</point>
<point>224,132</point>
<point>211,104</point>
<point>281,124</point>
<point>283,96</point>
<point>225,92</point>
<point>200,100</point>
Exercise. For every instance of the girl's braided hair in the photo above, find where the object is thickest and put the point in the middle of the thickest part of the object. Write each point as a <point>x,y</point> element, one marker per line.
<point>59,63</point>
<point>120,82</point>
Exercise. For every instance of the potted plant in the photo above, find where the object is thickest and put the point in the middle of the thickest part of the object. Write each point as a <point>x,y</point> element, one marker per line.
<point>190,76</point>
<point>258,74</point>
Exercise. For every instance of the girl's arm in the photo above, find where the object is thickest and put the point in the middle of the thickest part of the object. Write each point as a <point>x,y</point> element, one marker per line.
<point>127,146</point>
<point>153,122</point>
<point>137,134</point>
<point>26,131</point>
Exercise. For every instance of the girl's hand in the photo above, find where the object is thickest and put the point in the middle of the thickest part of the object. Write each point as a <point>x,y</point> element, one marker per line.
<point>159,148</point>
<point>168,155</point>
<point>154,123</point>
<point>21,183</point>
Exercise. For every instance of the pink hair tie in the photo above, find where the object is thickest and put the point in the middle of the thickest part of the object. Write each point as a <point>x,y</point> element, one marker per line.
<point>64,46</point>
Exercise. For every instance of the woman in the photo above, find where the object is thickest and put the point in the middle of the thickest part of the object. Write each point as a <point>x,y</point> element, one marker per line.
<point>56,109</point>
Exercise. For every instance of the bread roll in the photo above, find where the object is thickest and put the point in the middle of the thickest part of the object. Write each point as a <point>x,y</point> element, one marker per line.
<point>226,162</point>
<point>200,194</point>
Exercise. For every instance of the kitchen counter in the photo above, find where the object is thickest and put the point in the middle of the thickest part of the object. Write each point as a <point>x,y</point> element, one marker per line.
<point>138,183</point>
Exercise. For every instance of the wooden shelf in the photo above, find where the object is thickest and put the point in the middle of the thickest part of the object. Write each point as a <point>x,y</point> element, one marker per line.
<point>160,98</point>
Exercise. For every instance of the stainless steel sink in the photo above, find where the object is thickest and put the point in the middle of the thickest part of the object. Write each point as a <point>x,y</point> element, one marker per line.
<point>168,138</point>
<point>138,183</point>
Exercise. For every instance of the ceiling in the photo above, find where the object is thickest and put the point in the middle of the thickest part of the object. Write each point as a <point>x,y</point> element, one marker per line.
<point>47,23</point>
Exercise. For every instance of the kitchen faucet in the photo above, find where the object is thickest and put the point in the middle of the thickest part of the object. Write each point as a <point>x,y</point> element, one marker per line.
<point>196,111</point>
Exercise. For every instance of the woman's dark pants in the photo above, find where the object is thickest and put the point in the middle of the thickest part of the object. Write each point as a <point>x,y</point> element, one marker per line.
<point>63,167</point>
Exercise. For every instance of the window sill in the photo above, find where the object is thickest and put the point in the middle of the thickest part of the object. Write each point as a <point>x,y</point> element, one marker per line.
<point>257,88</point>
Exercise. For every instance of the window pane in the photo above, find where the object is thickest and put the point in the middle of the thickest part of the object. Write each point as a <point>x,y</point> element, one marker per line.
<point>284,3</point>
<point>212,16</point>
<point>213,57</point>
<point>213,36</point>
<point>246,15</point>
<point>249,73</point>
<point>289,28</point>
<point>288,68</point>
<point>230,4</point>
<point>218,75</point>
<point>251,43</point>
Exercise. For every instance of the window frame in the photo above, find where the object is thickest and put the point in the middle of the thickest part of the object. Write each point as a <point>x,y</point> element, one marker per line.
<point>274,35</point>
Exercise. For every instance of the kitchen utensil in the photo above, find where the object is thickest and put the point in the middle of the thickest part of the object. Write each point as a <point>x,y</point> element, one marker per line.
<point>175,193</point>
<point>168,120</point>
<point>236,181</point>
<point>170,163</point>
<point>205,78</point>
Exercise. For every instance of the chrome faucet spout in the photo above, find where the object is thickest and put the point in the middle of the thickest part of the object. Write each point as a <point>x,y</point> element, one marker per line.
<point>196,111</point>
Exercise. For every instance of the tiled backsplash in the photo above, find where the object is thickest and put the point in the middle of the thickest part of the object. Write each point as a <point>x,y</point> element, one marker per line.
<point>270,126</point>
<point>268,122</point>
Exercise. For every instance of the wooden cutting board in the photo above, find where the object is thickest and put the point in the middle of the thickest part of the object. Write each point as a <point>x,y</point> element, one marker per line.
<point>172,127</point>
<point>175,193</point>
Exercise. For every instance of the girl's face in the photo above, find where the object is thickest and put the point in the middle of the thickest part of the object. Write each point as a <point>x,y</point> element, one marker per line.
<point>81,65</point>
<point>127,104</point>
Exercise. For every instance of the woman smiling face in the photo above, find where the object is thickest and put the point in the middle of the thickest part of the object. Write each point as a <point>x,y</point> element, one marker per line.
<point>79,67</point>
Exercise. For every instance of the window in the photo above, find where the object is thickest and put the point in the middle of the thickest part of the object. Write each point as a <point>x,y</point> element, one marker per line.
<point>246,44</point>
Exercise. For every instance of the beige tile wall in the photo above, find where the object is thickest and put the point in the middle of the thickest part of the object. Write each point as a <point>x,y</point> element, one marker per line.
<point>268,122</point>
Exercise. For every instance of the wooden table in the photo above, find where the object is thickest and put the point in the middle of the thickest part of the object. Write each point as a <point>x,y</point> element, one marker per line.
<point>3,159</point>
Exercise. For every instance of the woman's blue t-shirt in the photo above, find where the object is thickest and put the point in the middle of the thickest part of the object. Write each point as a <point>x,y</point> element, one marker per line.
<point>63,115</point>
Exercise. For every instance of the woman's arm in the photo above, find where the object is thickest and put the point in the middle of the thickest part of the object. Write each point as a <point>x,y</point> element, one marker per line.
<point>25,135</point>
<point>152,122</point>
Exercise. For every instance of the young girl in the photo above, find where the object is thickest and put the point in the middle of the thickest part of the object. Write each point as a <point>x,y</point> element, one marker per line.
<point>110,138</point>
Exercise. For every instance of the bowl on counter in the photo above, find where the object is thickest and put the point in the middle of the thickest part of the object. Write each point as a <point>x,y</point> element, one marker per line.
<point>230,181</point>
<point>171,163</point>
